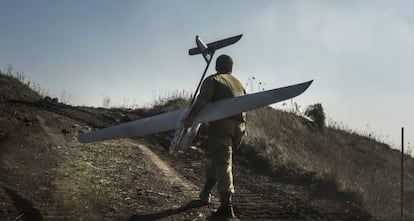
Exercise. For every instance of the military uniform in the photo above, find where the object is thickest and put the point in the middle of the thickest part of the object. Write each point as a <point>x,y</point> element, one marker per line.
<point>225,134</point>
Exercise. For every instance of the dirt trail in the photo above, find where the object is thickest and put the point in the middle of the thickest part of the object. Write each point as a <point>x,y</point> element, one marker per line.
<point>47,174</point>
<point>176,179</point>
<point>67,201</point>
<point>169,174</point>
<point>260,197</point>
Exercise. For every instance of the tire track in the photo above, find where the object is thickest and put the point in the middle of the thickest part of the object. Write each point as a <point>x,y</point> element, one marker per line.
<point>170,174</point>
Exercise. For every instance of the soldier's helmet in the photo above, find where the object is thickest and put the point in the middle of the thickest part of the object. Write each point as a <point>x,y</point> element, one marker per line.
<point>224,64</point>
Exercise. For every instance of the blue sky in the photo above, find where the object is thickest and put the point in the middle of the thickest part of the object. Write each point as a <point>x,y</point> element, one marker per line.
<point>360,53</point>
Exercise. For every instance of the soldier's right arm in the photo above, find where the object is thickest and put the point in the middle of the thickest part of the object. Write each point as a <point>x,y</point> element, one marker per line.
<point>205,96</point>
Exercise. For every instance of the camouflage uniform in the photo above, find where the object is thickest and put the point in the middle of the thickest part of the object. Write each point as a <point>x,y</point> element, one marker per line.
<point>225,134</point>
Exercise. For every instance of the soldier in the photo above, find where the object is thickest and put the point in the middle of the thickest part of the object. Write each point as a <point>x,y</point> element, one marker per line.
<point>223,135</point>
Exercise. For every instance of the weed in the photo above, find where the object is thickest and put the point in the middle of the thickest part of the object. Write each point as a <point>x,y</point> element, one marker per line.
<point>106,101</point>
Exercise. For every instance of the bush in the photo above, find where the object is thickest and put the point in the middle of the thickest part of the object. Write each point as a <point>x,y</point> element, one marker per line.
<point>316,113</point>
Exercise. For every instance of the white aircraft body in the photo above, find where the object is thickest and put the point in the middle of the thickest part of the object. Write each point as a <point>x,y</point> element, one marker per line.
<point>213,111</point>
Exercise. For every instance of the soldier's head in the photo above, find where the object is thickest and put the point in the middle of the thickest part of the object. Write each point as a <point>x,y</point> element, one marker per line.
<point>224,64</point>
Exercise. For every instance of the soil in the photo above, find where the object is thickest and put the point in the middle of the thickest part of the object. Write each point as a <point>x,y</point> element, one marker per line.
<point>46,174</point>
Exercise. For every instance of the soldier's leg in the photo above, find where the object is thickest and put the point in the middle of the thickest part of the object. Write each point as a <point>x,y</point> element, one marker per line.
<point>220,146</point>
<point>223,163</point>
<point>205,194</point>
<point>210,169</point>
<point>223,168</point>
<point>221,151</point>
<point>239,134</point>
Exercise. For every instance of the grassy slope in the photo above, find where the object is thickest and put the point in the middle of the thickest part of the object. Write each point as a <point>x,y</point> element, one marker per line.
<point>12,89</point>
<point>358,164</point>
<point>294,150</point>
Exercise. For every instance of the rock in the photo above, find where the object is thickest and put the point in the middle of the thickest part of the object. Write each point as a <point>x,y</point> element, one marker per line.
<point>65,131</point>
<point>47,99</point>
<point>51,100</point>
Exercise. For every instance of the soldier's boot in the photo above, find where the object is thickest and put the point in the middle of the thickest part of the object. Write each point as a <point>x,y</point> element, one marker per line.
<point>205,194</point>
<point>226,208</point>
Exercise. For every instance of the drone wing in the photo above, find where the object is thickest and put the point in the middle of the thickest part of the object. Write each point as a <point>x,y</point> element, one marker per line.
<point>216,45</point>
<point>213,111</point>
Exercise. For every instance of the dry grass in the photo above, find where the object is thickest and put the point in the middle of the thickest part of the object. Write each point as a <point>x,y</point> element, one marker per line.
<point>356,167</point>
<point>334,162</point>
<point>12,89</point>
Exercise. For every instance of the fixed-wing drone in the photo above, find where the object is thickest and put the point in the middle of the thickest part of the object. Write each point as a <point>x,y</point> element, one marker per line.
<point>213,111</point>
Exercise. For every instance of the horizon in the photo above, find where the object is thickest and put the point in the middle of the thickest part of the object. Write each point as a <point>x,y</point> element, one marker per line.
<point>358,54</point>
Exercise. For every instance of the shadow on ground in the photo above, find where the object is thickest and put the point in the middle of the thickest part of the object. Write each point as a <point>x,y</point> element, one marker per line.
<point>166,213</point>
<point>24,206</point>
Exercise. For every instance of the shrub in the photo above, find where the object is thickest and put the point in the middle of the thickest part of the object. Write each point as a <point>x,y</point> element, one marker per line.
<point>316,113</point>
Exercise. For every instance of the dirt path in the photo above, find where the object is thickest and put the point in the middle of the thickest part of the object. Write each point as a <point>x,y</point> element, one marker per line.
<point>259,197</point>
<point>67,201</point>
<point>124,176</point>
<point>172,176</point>
<point>46,174</point>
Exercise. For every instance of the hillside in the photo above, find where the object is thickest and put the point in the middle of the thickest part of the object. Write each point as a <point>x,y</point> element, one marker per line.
<point>13,89</point>
<point>365,169</point>
<point>285,170</point>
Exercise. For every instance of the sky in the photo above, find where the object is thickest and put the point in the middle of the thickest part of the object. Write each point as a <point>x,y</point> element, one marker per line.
<point>360,54</point>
